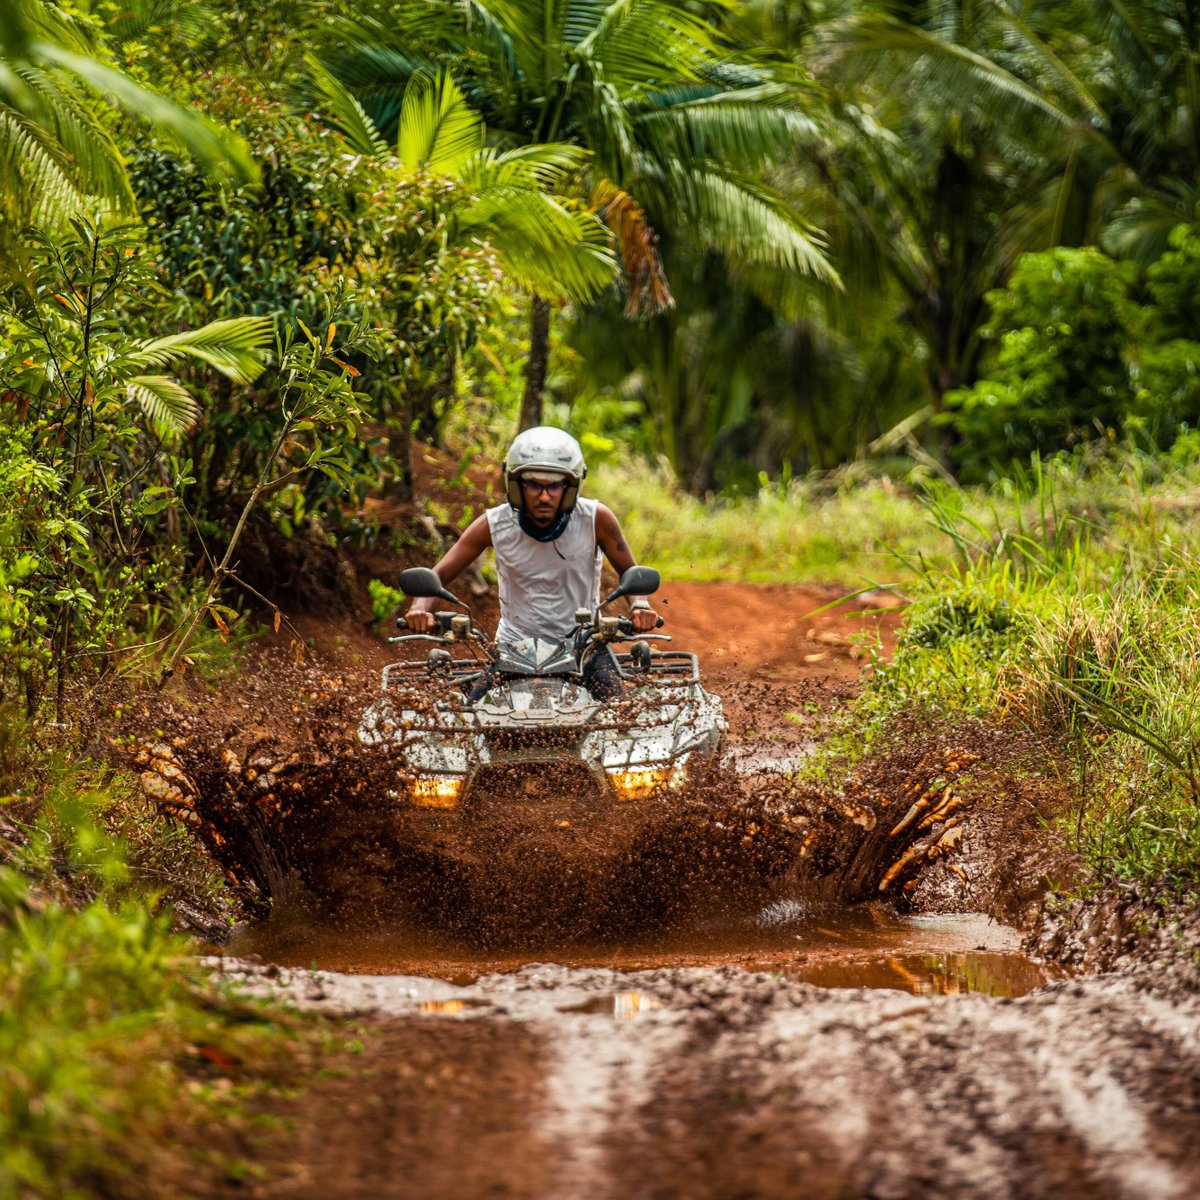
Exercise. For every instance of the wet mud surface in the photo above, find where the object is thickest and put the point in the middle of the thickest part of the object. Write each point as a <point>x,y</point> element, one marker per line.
<point>867,946</point>
<point>762,989</point>
<point>717,1082</point>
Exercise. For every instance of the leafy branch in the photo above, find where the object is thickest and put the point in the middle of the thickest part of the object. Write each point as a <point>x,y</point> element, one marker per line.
<point>316,397</point>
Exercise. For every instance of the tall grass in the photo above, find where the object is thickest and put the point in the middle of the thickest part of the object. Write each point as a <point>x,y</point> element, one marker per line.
<point>860,526</point>
<point>1071,610</point>
<point>835,531</point>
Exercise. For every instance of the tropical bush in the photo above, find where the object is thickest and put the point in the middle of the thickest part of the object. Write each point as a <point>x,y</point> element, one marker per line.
<point>1069,613</point>
<point>110,1034</point>
<point>1078,359</point>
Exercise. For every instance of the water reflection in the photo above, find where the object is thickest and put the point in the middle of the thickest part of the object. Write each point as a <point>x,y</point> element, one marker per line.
<point>870,946</point>
<point>950,974</point>
<point>621,1006</point>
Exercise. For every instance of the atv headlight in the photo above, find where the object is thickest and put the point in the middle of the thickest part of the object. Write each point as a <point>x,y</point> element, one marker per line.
<point>635,783</point>
<point>440,791</point>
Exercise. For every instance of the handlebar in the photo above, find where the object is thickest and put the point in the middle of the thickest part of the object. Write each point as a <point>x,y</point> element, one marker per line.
<point>586,634</point>
<point>627,624</point>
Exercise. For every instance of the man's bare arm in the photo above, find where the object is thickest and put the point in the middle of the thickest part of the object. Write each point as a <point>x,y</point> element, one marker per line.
<point>474,540</point>
<point>611,540</point>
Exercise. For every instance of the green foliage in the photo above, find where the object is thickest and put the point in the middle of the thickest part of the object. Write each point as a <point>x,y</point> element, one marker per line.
<point>108,1031</point>
<point>1174,284</point>
<point>1060,375</point>
<point>56,153</point>
<point>1166,403</point>
<point>87,440</point>
<point>1069,612</point>
<point>228,250</point>
<point>386,601</point>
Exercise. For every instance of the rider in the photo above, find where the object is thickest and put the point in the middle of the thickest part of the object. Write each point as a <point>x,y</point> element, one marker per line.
<point>548,543</point>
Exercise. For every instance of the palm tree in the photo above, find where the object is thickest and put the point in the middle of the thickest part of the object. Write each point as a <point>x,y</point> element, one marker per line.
<point>677,129</point>
<point>933,167</point>
<point>1104,97</point>
<point>57,159</point>
<point>511,199</point>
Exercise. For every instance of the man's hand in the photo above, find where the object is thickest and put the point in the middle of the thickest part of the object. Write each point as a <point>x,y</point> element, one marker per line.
<point>644,619</point>
<point>420,620</point>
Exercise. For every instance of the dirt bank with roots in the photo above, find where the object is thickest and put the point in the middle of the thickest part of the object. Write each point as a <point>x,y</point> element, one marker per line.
<point>710,1074</point>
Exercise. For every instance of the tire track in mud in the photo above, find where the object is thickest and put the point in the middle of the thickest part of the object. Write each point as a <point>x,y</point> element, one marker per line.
<point>731,1084</point>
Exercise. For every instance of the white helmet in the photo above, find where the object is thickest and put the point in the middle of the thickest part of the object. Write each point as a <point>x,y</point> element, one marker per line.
<point>549,450</point>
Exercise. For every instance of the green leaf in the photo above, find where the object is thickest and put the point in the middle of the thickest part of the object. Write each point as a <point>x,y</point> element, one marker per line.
<point>165,401</point>
<point>351,118</point>
<point>236,347</point>
<point>438,129</point>
<point>217,150</point>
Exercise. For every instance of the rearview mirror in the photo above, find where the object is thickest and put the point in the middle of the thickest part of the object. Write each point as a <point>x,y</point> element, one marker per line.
<point>421,581</point>
<point>636,581</point>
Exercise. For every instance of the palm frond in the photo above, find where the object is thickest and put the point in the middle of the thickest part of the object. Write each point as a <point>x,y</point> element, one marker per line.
<point>350,117</point>
<point>438,128</point>
<point>218,151</point>
<point>236,347</point>
<point>375,72</point>
<point>35,184</point>
<point>87,149</point>
<point>545,166</point>
<point>901,58</point>
<point>608,131</point>
<point>751,126</point>
<point>165,401</point>
<point>1142,228</point>
<point>534,32</point>
<point>641,41</point>
<point>649,294</point>
<point>136,20</point>
<point>750,221</point>
<point>547,247</point>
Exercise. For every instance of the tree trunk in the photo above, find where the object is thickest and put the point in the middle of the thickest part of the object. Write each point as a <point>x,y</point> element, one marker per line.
<point>400,449</point>
<point>539,360</point>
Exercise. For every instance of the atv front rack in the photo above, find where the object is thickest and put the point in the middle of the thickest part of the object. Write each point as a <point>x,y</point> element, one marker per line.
<point>673,666</point>
<point>406,674</point>
<point>678,666</point>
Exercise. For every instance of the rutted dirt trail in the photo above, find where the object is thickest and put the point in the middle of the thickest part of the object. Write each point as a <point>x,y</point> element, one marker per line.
<point>719,1083</point>
<point>708,1065</point>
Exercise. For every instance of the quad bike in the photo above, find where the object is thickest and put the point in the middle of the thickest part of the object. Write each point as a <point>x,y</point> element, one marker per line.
<point>503,730</point>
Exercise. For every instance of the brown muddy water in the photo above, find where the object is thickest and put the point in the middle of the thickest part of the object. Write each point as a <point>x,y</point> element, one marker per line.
<point>869,946</point>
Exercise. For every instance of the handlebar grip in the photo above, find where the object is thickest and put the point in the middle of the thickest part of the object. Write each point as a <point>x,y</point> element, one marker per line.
<point>659,623</point>
<point>401,622</point>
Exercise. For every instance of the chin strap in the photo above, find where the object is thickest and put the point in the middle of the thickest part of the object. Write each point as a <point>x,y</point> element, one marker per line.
<point>551,533</point>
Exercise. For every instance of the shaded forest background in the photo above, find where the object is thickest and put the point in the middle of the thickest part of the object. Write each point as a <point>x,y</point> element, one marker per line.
<point>252,254</point>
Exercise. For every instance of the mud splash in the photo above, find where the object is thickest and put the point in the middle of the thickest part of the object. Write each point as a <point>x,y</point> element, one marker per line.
<point>303,817</point>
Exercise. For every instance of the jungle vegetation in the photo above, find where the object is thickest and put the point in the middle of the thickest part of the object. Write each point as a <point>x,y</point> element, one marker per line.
<point>903,291</point>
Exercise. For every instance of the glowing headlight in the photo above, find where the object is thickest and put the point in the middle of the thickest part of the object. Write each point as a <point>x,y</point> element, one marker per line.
<point>634,783</point>
<point>441,791</point>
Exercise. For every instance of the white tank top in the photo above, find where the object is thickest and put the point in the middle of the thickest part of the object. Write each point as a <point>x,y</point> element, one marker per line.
<point>543,583</point>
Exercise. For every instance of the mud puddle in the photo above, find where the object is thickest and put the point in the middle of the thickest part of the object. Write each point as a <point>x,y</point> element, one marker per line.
<point>865,947</point>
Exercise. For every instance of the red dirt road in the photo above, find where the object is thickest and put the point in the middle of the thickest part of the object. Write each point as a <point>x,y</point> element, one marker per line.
<point>777,633</point>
